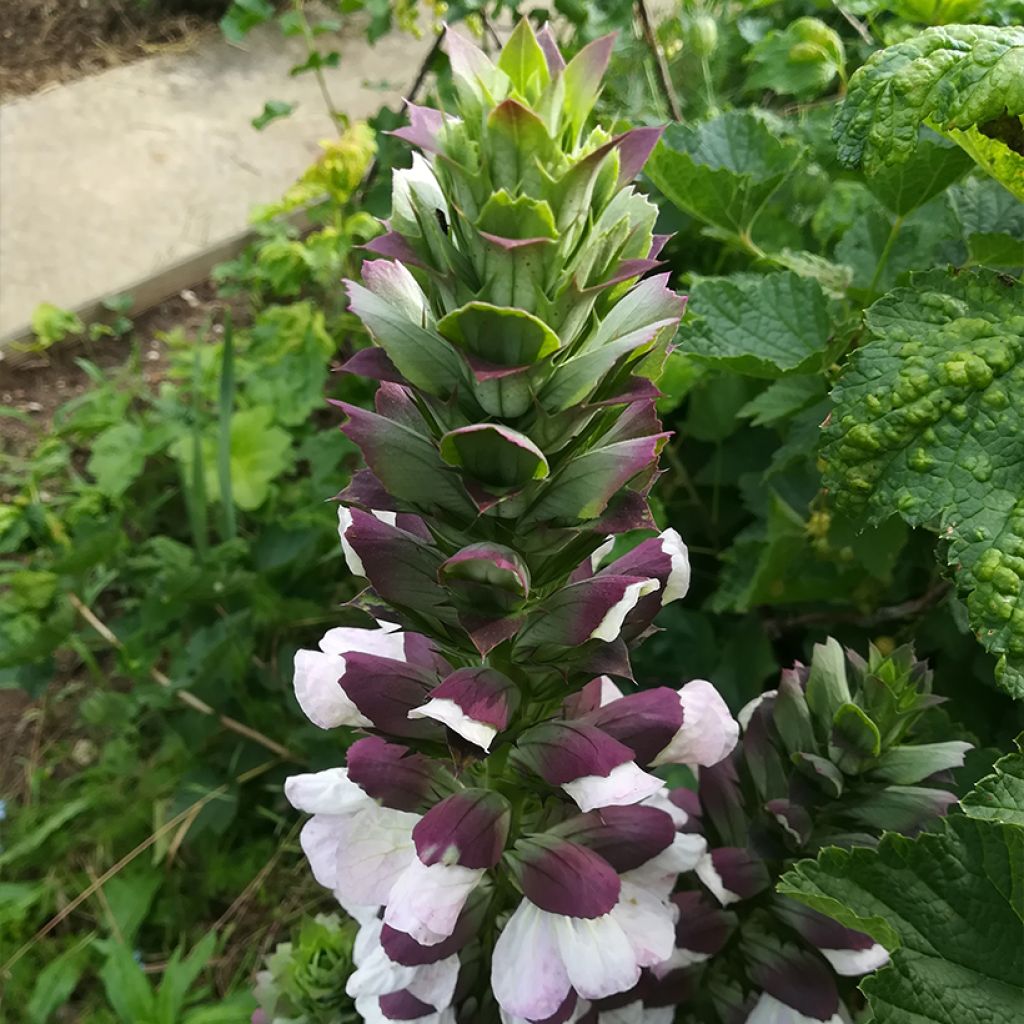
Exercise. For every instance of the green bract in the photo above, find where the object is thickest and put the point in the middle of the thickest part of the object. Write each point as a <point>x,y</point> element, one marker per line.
<point>929,423</point>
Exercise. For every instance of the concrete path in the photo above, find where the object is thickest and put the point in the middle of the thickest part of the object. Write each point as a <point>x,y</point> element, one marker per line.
<point>110,179</point>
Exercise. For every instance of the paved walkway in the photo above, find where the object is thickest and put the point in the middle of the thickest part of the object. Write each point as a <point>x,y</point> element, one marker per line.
<point>109,179</point>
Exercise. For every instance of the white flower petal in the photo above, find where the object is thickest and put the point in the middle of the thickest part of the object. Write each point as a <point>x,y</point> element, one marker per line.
<point>447,712</point>
<point>853,962</point>
<point>319,693</point>
<point>319,842</point>
<point>706,872</point>
<point>426,900</point>
<point>609,691</point>
<point>679,958</point>
<point>435,983</point>
<point>386,641</point>
<point>610,626</point>
<point>660,873</point>
<point>528,978</point>
<point>352,559</point>
<point>597,954</point>
<point>599,553</point>
<point>624,784</point>
<point>648,922</point>
<point>374,847</point>
<point>376,973</point>
<point>748,709</point>
<point>678,583</point>
<point>326,792</point>
<point>662,802</point>
<point>708,733</point>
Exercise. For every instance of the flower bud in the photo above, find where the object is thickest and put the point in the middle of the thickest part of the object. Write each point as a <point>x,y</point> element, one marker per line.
<point>477,703</point>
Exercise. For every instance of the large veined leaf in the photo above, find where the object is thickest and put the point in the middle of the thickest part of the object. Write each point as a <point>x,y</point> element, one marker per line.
<point>948,906</point>
<point>929,423</point>
<point>762,326</point>
<point>723,170</point>
<point>1000,796</point>
<point>951,77</point>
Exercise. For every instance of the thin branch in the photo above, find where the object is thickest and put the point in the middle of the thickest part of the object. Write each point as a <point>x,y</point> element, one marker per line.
<point>893,613</point>
<point>858,26</point>
<point>187,698</point>
<point>669,93</point>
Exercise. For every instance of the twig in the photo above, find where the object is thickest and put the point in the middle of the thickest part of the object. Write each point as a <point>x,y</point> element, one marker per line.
<point>128,858</point>
<point>904,610</point>
<point>671,99</point>
<point>190,699</point>
<point>489,29</point>
<point>858,26</point>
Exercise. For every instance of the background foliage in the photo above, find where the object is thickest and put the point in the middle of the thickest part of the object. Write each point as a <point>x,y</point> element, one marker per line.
<point>164,546</point>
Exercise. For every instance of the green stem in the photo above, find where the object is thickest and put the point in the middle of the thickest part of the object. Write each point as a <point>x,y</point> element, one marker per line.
<point>321,79</point>
<point>883,259</point>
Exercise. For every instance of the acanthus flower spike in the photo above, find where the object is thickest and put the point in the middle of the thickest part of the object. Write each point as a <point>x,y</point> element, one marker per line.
<point>498,833</point>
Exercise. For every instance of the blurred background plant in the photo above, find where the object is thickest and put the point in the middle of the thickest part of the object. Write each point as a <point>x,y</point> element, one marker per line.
<point>164,545</point>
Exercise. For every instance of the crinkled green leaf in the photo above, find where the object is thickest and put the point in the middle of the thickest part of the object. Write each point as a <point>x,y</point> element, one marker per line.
<point>948,906</point>
<point>723,170</point>
<point>1000,796</point>
<point>761,326</point>
<point>996,146</point>
<point>929,423</point>
<point>957,76</point>
<point>933,166</point>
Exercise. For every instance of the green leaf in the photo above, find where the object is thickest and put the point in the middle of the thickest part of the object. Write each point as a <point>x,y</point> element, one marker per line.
<point>126,986</point>
<point>51,324</point>
<point>995,249</point>
<point>724,170</point>
<point>761,326</point>
<point>948,907</point>
<point>827,688</point>
<point>933,166</point>
<point>260,453</point>
<point>1000,796</point>
<point>523,61</point>
<point>243,16</point>
<point>273,110</point>
<point>117,458</point>
<point>55,983</point>
<point>928,423</point>
<point>179,977</point>
<point>996,147</point>
<point>855,738</point>
<point>34,839</point>
<point>130,895</point>
<point>316,61</point>
<point>957,76</point>
<point>799,60</point>
<point>783,399</point>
